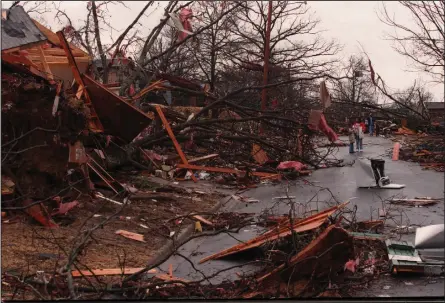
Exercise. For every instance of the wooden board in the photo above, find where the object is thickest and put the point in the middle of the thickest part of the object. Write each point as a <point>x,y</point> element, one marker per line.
<point>173,138</point>
<point>54,39</point>
<point>201,219</point>
<point>57,59</point>
<point>57,52</point>
<point>130,235</point>
<point>259,154</point>
<point>110,272</point>
<point>94,122</point>
<point>224,170</point>
<point>45,65</point>
<point>203,158</point>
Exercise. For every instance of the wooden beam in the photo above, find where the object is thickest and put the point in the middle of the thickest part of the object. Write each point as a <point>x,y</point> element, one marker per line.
<point>57,52</point>
<point>58,59</point>
<point>45,65</point>
<point>224,170</point>
<point>203,158</point>
<point>94,122</point>
<point>173,138</point>
<point>24,47</point>
<point>109,272</point>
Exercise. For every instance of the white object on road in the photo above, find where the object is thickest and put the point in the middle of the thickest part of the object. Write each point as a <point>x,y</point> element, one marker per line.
<point>365,177</point>
<point>431,236</point>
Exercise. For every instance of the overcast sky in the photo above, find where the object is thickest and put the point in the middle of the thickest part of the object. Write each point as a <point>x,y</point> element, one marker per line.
<point>351,23</point>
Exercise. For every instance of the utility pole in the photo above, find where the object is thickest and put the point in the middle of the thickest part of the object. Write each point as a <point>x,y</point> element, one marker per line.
<point>266,60</point>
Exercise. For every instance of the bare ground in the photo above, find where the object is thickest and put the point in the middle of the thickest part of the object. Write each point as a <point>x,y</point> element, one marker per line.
<point>28,247</point>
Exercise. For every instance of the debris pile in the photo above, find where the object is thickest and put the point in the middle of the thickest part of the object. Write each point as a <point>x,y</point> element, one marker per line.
<point>81,139</point>
<point>76,157</point>
<point>428,150</point>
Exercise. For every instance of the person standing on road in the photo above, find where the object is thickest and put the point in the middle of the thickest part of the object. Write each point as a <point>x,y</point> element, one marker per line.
<point>358,132</point>
<point>351,138</point>
<point>371,124</point>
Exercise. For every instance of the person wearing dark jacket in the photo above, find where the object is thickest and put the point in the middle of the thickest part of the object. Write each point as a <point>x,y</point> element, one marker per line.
<point>371,124</point>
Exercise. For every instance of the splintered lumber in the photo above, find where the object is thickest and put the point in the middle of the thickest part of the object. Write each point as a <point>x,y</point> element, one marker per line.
<point>224,170</point>
<point>173,138</point>
<point>110,272</point>
<point>94,122</point>
<point>203,158</point>
<point>282,230</point>
<point>45,65</point>
<point>414,202</point>
<point>202,220</point>
<point>331,249</point>
<point>130,235</point>
<point>272,176</point>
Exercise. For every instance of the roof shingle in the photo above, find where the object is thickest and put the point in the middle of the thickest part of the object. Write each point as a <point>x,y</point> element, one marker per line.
<point>18,29</point>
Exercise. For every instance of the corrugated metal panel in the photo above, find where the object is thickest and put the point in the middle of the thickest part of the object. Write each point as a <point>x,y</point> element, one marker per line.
<point>19,29</point>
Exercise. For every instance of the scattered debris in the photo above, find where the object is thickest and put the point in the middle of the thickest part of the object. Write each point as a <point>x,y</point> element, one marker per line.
<point>282,230</point>
<point>201,219</point>
<point>109,272</point>
<point>131,235</point>
<point>414,202</point>
<point>73,148</point>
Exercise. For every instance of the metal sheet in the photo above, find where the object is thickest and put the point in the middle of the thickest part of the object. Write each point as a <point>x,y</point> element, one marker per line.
<point>118,117</point>
<point>363,173</point>
<point>431,236</point>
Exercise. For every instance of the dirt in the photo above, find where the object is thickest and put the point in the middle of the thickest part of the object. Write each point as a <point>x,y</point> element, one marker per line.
<point>24,240</point>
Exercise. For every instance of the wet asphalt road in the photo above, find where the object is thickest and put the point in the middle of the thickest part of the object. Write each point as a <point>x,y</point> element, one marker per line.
<point>342,183</point>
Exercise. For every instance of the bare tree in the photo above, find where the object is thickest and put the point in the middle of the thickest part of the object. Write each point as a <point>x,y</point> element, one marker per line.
<point>92,33</point>
<point>181,61</point>
<point>36,9</point>
<point>295,42</point>
<point>414,97</point>
<point>422,41</point>
<point>144,57</point>
<point>358,85</point>
<point>214,41</point>
<point>296,49</point>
